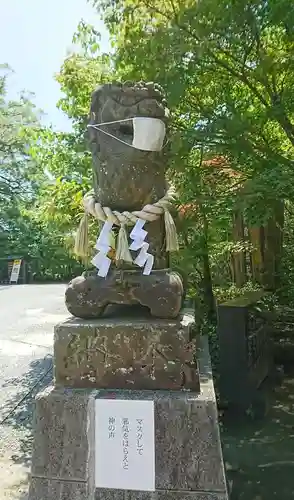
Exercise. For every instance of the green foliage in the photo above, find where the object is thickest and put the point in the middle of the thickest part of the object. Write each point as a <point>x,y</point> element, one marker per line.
<point>17,169</point>
<point>227,67</point>
<point>36,203</point>
<point>57,170</point>
<point>228,71</point>
<point>80,74</point>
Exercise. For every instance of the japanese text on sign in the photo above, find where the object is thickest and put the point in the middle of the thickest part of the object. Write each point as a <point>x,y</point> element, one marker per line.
<point>111,427</point>
<point>15,271</point>
<point>140,436</point>
<point>125,444</point>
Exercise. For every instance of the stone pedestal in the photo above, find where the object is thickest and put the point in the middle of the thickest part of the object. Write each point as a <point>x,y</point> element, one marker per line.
<point>63,450</point>
<point>188,457</point>
<point>135,352</point>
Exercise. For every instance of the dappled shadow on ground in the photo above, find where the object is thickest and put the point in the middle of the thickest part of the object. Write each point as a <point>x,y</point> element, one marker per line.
<point>16,425</point>
<point>259,454</point>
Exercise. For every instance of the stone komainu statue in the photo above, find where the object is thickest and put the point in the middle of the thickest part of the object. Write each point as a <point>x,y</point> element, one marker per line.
<point>127,132</point>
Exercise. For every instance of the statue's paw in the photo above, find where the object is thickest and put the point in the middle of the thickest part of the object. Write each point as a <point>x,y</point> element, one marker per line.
<point>82,299</point>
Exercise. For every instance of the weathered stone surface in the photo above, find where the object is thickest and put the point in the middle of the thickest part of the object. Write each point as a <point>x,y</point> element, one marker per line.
<point>132,352</point>
<point>162,292</point>
<point>188,454</point>
<point>64,435</point>
<point>188,458</point>
<point>52,489</point>
<point>107,494</point>
<point>128,179</point>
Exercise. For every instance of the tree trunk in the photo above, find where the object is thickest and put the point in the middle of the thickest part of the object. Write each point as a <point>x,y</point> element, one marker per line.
<point>207,286</point>
<point>238,259</point>
<point>267,255</point>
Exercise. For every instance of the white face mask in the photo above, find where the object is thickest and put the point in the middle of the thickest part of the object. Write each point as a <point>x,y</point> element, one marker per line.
<point>149,133</point>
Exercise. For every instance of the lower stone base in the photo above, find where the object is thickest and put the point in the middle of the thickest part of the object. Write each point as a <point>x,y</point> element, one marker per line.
<point>158,495</point>
<point>69,490</point>
<point>188,457</point>
<point>49,489</point>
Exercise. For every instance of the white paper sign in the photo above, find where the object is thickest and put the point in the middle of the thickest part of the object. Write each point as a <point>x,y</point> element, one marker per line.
<point>15,271</point>
<point>124,444</point>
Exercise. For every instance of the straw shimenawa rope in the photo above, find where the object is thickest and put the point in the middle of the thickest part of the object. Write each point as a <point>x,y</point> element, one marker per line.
<point>149,213</point>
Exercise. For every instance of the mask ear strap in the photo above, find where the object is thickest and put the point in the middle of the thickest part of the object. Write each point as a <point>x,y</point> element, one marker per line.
<point>97,127</point>
<point>110,123</point>
<point>110,135</point>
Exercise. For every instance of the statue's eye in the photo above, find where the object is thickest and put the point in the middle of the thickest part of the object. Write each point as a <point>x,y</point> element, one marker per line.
<point>126,128</point>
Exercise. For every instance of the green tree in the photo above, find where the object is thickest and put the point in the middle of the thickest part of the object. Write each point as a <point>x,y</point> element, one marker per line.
<point>65,157</point>
<point>29,192</point>
<point>17,169</point>
<point>228,70</point>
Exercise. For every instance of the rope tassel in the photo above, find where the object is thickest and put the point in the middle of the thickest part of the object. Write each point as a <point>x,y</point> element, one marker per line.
<point>81,239</point>
<point>148,213</point>
<point>122,248</point>
<point>172,244</point>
